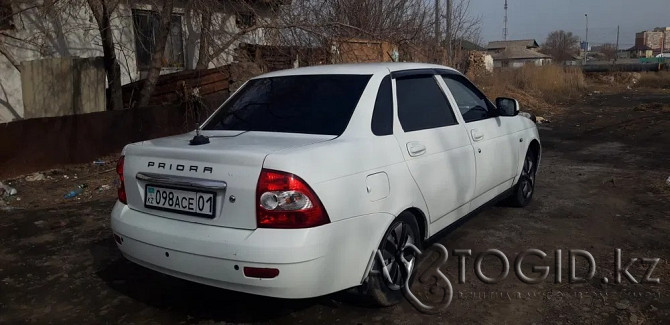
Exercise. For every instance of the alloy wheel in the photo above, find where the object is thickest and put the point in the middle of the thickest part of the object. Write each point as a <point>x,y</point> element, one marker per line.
<point>528,176</point>
<point>395,247</point>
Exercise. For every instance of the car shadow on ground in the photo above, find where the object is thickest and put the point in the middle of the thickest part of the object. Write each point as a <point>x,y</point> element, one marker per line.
<point>193,301</point>
<point>197,302</point>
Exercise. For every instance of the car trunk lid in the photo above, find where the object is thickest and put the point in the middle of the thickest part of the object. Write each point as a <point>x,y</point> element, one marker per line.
<point>226,169</point>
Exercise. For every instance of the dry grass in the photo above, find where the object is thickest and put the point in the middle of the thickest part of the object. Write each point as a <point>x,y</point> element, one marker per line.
<point>659,79</point>
<point>538,89</point>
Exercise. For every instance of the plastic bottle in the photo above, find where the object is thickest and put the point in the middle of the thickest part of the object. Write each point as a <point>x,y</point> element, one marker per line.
<point>75,192</point>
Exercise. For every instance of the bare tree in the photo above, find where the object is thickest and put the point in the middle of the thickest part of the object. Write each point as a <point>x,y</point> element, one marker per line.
<point>12,60</point>
<point>222,25</point>
<point>316,23</point>
<point>463,27</point>
<point>397,21</point>
<point>55,20</point>
<point>609,51</point>
<point>164,21</point>
<point>102,10</point>
<point>205,35</point>
<point>561,45</point>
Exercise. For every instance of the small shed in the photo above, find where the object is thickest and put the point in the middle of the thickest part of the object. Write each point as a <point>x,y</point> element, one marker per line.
<point>641,51</point>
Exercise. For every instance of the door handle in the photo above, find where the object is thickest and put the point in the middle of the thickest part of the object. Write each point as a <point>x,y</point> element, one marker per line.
<point>477,135</point>
<point>415,149</point>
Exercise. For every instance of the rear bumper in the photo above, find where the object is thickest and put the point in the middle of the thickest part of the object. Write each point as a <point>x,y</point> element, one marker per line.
<point>311,262</point>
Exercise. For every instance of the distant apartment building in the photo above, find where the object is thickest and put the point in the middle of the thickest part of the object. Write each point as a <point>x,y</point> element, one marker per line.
<point>657,40</point>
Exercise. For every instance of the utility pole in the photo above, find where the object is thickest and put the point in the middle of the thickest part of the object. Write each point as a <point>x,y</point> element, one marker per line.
<point>505,29</point>
<point>586,43</point>
<point>450,40</point>
<point>616,55</point>
<point>437,31</point>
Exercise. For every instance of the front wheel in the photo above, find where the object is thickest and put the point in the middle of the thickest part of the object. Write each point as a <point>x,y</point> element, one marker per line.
<point>522,193</point>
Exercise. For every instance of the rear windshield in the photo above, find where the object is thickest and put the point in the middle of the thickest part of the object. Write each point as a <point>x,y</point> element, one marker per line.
<point>311,104</point>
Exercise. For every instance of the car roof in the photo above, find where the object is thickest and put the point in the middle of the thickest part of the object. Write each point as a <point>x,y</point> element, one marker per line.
<point>356,68</point>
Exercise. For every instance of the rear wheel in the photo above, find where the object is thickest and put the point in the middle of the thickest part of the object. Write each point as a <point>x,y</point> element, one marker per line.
<point>522,193</point>
<point>382,290</point>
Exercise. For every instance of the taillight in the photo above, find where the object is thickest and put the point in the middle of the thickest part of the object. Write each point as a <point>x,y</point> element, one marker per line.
<point>284,200</point>
<point>263,273</point>
<point>122,184</point>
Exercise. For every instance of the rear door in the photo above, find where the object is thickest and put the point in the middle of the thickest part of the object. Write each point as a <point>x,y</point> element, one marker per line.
<point>495,147</point>
<point>436,148</point>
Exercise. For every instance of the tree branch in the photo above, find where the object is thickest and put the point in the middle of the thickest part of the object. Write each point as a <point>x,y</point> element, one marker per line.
<point>10,58</point>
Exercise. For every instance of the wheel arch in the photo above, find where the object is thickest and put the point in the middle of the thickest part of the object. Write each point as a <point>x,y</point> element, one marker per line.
<point>537,148</point>
<point>533,144</point>
<point>420,218</point>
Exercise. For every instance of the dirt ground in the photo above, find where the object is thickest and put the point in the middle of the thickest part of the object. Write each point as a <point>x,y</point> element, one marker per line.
<point>601,186</point>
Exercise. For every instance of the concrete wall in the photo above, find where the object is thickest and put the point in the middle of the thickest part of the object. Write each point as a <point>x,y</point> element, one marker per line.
<point>62,86</point>
<point>64,31</point>
<point>69,29</point>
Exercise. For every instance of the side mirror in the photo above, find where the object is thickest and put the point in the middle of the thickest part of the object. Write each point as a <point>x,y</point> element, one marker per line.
<point>507,106</point>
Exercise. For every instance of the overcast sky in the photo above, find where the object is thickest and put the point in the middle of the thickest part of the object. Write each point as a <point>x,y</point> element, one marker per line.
<point>536,18</point>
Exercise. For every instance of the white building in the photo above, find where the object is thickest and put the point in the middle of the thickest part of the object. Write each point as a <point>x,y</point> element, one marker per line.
<point>516,53</point>
<point>31,30</point>
<point>516,57</point>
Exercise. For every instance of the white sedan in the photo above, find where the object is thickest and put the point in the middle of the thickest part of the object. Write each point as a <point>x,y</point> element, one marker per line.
<point>292,186</point>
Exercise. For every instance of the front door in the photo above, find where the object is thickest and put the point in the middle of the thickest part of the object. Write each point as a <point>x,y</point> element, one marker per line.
<point>495,148</point>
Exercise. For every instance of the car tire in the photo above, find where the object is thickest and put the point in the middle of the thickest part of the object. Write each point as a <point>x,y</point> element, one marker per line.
<point>376,288</point>
<point>522,192</point>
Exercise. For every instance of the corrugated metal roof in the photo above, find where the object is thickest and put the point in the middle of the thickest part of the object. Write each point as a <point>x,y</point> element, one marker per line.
<point>527,43</point>
<point>517,53</point>
<point>640,48</point>
<point>468,45</point>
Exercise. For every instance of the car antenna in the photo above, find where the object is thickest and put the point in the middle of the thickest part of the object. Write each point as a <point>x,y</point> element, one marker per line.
<point>198,139</point>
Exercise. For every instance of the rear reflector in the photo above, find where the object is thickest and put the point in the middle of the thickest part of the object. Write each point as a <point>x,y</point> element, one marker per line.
<point>122,183</point>
<point>264,273</point>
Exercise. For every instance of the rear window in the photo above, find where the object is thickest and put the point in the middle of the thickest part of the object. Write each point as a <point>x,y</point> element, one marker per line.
<point>311,104</point>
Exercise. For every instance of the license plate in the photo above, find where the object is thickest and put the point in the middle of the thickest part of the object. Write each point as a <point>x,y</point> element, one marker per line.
<point>190,202</point>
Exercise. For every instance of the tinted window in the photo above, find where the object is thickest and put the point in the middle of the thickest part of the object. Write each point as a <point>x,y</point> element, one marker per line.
<point>314,104</point>
<point>471,102</point>
<point>422,104</point>
<point>382,117</point>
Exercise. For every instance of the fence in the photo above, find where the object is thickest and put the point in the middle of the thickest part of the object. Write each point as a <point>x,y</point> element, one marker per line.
<point>360,50</point>
<point>178,87</point>
<point>40,143</point>
<point>62,86</point>
<point>273,58</point>
<point>626,67</point>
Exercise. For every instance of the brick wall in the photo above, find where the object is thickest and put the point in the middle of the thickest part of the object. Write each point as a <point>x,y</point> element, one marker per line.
<point>654,39</point>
